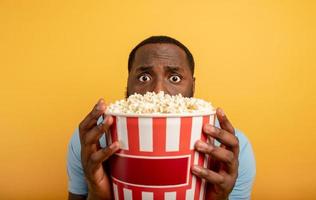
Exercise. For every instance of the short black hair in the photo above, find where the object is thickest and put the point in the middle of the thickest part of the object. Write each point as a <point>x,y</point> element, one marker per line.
<point>162,40</point>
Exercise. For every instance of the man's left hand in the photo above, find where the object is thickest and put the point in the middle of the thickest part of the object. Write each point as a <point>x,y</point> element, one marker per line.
<point>223,166</point>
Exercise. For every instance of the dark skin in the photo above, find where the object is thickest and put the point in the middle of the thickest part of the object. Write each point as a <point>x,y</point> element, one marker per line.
<point>160,67</point>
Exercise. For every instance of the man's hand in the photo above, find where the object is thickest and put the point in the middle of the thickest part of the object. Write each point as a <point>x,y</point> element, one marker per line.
<point>92,156</point>
<point>223,167</point>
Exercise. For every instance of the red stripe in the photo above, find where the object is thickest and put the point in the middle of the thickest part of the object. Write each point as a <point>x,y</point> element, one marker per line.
<point>201,159</point>
<point>151,172</point>
<point>204,139</point>
<point>159,195</point>
<point>108,139</point>
<point>181,194</point>
<point>114,130</point>
<point>120,191</point>
<point>198,188</point>
<point>206,120</point>
<point>159,136</point>
<point>190,174</point>
<point>133,135</point>
<point>185,134</point>
<point>137,193</point>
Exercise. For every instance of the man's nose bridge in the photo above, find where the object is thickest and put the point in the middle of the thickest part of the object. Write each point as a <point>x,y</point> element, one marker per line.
<point>159,85</point>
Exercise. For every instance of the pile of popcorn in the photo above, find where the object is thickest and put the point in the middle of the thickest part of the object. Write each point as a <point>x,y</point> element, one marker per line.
<point>160,103</point>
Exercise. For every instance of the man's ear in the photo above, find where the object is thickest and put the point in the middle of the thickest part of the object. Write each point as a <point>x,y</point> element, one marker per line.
<point>127,87</point>
<point>193,86</point>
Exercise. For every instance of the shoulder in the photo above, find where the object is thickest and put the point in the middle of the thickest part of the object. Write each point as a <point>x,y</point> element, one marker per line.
<point>246,169</point>
<point>76,181</point>
<point>246,156</point>
<point>74,145</point>
<point>247,163</point>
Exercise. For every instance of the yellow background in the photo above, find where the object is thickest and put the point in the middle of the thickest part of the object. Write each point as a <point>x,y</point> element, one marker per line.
<point>256,59</point>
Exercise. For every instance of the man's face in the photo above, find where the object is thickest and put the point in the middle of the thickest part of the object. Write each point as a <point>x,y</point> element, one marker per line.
<point>160,67</point>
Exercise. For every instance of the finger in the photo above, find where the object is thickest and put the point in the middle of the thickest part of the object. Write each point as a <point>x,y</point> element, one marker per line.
<point>225,138</point>
<point>90,142</point>
<point>208,175</point>
<point>223,121</point>
<point>219,154</point>
<point>93,136</point>
<point>94,122</point>
<point>102,155</point>
<point>92,118</point>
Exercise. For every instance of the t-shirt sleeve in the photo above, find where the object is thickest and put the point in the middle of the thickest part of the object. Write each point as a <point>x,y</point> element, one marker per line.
<point>246,169</point>
<point>76,180</point>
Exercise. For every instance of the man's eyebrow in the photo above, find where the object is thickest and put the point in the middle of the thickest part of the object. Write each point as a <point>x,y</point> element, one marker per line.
<point>144,68</point>
<point>174,69</point>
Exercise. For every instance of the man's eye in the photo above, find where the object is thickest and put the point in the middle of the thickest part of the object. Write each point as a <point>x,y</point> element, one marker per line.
<point>144,78</point>
<point>175,79</point>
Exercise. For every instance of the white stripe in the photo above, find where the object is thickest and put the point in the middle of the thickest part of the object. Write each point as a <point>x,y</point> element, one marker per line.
<point>145,134</point>
<point>115,191</point>
<point>150,186</point>
<point>212,119</point>
<point>122,132</point>
<point>205,165</point>
<point>173,134</point>
<point>147,195</point>
<point>154,157</point>
<point>196,130</point>
<point>202,189</point>
<point>190,193</point>
<point>170,195</point>
<point>127,194</point>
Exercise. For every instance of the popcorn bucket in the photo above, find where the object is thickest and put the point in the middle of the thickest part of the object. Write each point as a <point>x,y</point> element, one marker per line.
<point>157,152</point>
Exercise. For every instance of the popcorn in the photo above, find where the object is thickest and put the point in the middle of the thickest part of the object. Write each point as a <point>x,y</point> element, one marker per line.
<point>160,103</point>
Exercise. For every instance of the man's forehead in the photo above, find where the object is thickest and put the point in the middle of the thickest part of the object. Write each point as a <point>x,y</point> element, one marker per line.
<point>169,54</point>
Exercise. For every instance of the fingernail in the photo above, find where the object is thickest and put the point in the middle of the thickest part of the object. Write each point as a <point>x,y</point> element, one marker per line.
<point>221,112</point>
<point>196,169</point>
<point>114,146</point>
<point>100,104</point>
<point>100,107</point>
<point>201,145</point>
<point>207,127</point>
<point>105,119</point>
<point>213,129</point>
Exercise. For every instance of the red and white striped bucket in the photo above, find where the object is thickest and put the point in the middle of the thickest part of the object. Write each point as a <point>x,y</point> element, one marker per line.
<point>156,155</point>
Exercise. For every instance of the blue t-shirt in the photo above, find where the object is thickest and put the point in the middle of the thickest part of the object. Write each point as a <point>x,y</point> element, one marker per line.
<point>241,190</point>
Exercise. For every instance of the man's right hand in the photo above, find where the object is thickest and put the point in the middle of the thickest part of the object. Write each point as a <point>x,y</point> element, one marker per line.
<point>92,156</point>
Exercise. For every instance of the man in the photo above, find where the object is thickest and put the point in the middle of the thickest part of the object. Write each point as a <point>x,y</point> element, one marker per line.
<point>160,63</point>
